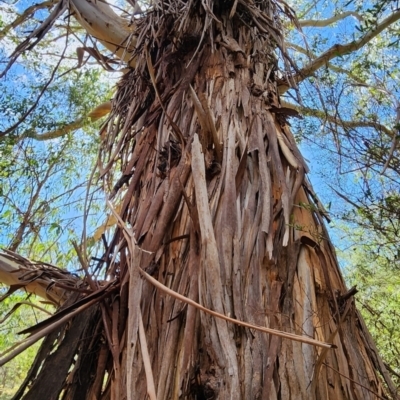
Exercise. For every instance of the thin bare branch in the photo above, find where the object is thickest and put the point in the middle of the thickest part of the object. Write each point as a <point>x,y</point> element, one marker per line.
<point>99,112</point>
<point>27,14</point>
<point>33,305</point>
<point>329,21</point>
<point>355,382</point>
<point>19,304</point>
<point>343,123</point>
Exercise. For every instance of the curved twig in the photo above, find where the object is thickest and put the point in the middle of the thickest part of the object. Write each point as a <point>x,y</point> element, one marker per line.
<point>286,335</point>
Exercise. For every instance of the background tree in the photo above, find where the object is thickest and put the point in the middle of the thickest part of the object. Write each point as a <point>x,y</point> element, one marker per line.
<point>17,313</point>
<point>232,223</point>
<point>377,280</point>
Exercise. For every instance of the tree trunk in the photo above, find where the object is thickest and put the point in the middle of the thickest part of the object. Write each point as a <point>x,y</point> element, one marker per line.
<point>215,206</point>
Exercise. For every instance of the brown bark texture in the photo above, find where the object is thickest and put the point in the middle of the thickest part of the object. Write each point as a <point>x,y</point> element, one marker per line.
<point>214,203</point>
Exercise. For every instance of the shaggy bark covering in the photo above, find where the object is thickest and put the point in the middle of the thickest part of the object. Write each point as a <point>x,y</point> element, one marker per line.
<point>214,203</point>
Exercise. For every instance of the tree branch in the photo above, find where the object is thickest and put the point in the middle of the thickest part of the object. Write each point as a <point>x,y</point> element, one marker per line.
<point>344,124</point>
<point>331,66</point>
<point>339,50</point>
<point>99,112</point>
<point>24,16</point>
<point>329,21</point>
<point>102,23</point>
<point>17,271</point>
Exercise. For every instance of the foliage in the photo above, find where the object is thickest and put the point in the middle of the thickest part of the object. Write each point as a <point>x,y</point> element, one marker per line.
<point>12,374</point>
<point>375,273</point>
<point>43,185</point>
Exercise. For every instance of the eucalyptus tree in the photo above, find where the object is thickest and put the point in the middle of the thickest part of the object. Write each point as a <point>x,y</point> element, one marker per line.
<point>219,280</point>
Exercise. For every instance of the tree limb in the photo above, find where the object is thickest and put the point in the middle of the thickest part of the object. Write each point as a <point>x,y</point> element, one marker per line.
<point>24,16</point>
<point>331,66</point>
<point>329,21</point>
<point>99,112</point>
<point>344,124</point>
<point>102,23</point>
<point>339,50</point>
<point>17,271</point>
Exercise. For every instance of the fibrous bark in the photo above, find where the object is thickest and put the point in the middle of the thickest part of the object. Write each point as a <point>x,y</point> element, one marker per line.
<point>221,212</point>
<point>214,204</point>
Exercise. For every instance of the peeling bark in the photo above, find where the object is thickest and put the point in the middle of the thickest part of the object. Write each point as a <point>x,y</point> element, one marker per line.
<point>216,207</point>
<point>262,253</point>
<point>102,23</point>
<point>18,272</point>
